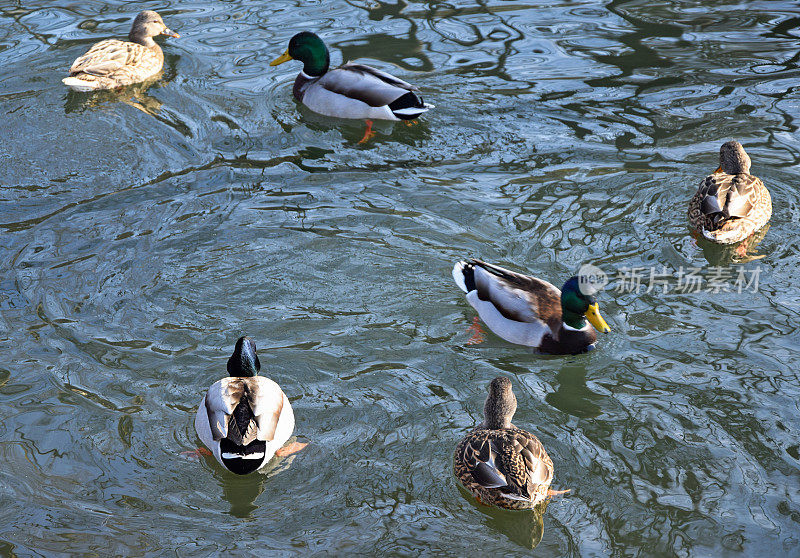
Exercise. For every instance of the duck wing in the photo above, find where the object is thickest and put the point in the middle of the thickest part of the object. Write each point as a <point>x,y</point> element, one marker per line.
<point>267,403</point>
<point>538,465</point>
<point>512,461</point>
<point>518,297</point>
<point>366,84</point>
<point>244,409</point>
<point>481,462</point>
<point>109,56</point>
<point>728,196</point>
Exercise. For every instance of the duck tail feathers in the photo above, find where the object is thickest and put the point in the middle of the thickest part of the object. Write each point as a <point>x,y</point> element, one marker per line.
<point>409,113</point>
<point>464,276</point>
<point>409,106</point>
<point>80,85</point>
<point>241,459</point>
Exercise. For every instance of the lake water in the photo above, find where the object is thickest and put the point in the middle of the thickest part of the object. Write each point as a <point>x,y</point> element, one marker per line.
<point>143,232</point>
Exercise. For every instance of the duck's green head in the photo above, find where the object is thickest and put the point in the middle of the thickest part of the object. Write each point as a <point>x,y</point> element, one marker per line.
<point>244,360</point>
<point>576,305</point>
<point>309,49</point>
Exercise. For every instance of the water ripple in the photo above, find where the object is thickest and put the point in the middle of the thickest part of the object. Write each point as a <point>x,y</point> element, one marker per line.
<point>145,230</point>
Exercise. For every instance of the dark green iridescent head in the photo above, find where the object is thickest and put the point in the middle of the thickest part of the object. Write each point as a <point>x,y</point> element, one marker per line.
<point>244,360</point>
<point>309,49</point>
<point>576,307</point>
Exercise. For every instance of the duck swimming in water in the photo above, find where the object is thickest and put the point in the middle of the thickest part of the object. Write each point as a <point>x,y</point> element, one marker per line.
<point>731,204</point>
<point>499,463</point>
<point>530,311</point>
<point>351,90</point>
<point>113,63</point>
<point>245,419</point>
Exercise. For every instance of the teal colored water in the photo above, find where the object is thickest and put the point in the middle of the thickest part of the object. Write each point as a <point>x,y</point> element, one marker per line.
<point>143,232</point>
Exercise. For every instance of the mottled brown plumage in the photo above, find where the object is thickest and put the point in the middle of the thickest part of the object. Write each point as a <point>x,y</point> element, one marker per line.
<point>113,63</point>
<point>499,463</point>
<point>730,204</point>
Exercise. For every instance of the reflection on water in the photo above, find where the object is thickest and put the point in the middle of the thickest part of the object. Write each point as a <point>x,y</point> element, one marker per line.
<point>145,230</point>
<point>572,396</point>
<point>240,491</point>
<point>741,252</point>
<point>410,133</point>
<point>524,527</point>
<point>133,95</point>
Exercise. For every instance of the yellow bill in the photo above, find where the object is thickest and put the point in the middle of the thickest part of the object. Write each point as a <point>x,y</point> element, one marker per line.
<point>594,317</point>
<point>281,59</point>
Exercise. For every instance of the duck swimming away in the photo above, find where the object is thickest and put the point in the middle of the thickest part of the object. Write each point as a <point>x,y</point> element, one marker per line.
<point>731,204</point>
<point>500,464</point>
<point>245,419</point>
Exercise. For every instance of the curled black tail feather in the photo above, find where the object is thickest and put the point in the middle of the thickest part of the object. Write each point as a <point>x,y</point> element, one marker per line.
<point>469,276</point>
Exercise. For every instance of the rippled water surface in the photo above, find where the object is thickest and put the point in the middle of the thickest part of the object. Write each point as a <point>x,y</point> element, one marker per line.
<point>143,232</point>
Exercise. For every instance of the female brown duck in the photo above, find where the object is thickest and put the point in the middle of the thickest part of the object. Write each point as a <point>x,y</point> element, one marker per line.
<point>500,464</point>
<point>731,204</point>
<point>113,63</point>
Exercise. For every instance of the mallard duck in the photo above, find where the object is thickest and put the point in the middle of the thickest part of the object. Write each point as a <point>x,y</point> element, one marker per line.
<point>500,464</point>
<point>530,311</point>
<point>351,90</point>
<point>244,419</point>
<point>113,63</point>
<point>730,204</point>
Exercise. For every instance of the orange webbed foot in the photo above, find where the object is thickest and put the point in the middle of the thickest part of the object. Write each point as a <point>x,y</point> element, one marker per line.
<point>195,454</point>
<point>368,133</point>
<point>291,448</point>
<point>477,332</point>
<point>551,493</point>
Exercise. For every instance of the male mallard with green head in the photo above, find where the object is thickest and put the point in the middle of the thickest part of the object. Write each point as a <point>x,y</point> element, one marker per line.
<point>731,204</point>
<point>245,419</point>
<point>351,90</point>
<point>500,464</point>
<point>113,63</point>
<point>529,311</point>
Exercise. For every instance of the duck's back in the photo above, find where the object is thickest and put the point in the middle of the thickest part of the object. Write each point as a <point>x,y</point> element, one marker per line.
<point>114,63</point>
<point>518,455</point>
<point>729,207</point>
<point>359,91</point>
<point>243,421</point>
